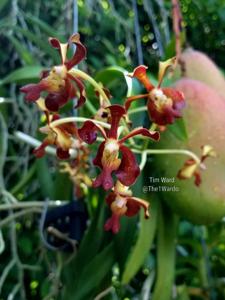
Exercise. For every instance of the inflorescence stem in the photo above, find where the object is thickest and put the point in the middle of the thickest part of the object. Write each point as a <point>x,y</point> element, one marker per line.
<point>145,153</point>
<point>79,120</point>
<point>83,75</point>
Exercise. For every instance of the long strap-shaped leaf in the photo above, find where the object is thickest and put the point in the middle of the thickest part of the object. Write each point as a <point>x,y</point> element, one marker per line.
<point>166,243</point>
<point>3,148</point>
<point>143,244</point>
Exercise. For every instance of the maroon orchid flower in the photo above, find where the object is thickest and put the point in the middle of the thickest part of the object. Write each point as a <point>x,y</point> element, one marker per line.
<point>61,136</point>
<point>122,203</point>
<point>164,104</point>
<point>192,168</point>
<point>107,159</point>
<point>58,83</point>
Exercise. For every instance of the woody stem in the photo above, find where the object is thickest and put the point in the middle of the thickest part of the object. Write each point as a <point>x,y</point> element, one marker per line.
<point>83,75</point>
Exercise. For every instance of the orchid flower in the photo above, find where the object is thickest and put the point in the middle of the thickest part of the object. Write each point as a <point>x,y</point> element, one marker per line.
<point>58,83</point>
<point>122,203</point>
<point>107,159</point>
<point>192,168</point>
<point>164,104</point>
<point>61,136</point>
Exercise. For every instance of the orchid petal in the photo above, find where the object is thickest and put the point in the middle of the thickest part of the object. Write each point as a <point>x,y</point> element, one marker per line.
<point>133,206</point>
<point>33,91</point>
<point>80,52</point>
<point>163,67</point>
<point>207,151</point>
<point>40,151</point>
<point>54,101</point>
<point>62,154</point>
<point>113,223</point>
<point>154,135</point>
<point>116,111</point>
<point>62,48</point>
<point>97,161</point>
<point>104,179</point>
<point>88,133</point>
<point>82,96</point>
<point>128,170</point>
<point>188,170</point>
<point>141,74</point>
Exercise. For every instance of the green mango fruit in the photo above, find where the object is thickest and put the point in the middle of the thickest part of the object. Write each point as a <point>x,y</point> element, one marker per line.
<point>204,117</point>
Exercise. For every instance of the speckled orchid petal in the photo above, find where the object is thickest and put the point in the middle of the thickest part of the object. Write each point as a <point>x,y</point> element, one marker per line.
<point>163,67</point>
<point>104,179</point>
<point>128,170</point>
<point>70,128</point>
<point>198,178</point>
<point>88,132</point>
<point>82,96</point>
<point>61,47</point>
<point>80,52</point>
<point>40,151</point>
<point>110,198</point>
<point>133,206</point>
<point>62,154</point>
<point>54,101</point>
<point>154,135</point>
<point>116,113</point>
<point>97,161</point>
<point>33,91</point>
<point>141,74</point>
<point>62,138</point>
<point>107,160</point>
<point>113,224</point>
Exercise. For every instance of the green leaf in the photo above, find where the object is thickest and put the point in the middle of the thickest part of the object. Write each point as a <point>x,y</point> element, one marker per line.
<point>40,43</point>
<point>128,233</point>
<point>166,252</point>
<point>62,187</point>
<point>24,180</point>
<point>3,147</point>
<point>112,75</point>
<point>143,244</point>
<point>92,242</point>
<point>22,74</point>
<point>183,293</point>
<point>2,243</point>
<point>42,25</point>
<point>179,130</point>
<point>21,50</point>
<point>44,177</point>
<point>92,275</point>
<point>3,3</point>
